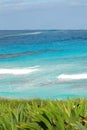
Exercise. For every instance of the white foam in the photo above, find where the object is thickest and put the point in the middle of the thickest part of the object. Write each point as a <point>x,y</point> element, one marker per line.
<point>72,76</point>
<point>32,33</point>
<point>22,34</point>
<point>35,33</point>
<point>18,71</point>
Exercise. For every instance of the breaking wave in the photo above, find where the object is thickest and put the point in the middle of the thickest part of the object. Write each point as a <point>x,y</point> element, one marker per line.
<point>72,76</point>
<point>18,71</point>
<point>22,34</point>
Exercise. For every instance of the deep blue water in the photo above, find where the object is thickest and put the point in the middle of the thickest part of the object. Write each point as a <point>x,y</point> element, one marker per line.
<point>43,64</point>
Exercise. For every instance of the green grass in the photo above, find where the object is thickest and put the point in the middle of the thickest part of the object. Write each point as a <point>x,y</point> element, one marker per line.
<point>37,114</point>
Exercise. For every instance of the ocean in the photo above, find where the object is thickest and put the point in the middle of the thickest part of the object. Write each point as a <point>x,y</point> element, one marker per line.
<point>47,64</point>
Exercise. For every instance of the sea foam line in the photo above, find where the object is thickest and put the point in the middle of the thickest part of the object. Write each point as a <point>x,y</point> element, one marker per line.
<point>30,33</point>
<point>18,71</point>
<point>72,76</point>
<point>22,34</point>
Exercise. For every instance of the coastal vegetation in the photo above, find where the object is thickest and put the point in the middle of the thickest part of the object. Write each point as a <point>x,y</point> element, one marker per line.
<point>37,114</point>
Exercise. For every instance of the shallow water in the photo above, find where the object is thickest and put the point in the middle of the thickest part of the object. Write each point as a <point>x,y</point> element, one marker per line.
<point>43,64</point>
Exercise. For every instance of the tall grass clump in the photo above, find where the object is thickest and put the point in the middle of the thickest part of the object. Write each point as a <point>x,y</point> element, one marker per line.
<point>69,114</point>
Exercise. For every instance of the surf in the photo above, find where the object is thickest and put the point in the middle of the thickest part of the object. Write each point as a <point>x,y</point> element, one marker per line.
<point>72,76</point>
<point>21,34</point>
<point>18,71</point>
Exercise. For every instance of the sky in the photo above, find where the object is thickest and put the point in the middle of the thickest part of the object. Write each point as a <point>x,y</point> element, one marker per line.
<point>43,14</point>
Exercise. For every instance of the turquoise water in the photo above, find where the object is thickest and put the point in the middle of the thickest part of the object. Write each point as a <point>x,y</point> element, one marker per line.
<point>43,64</point>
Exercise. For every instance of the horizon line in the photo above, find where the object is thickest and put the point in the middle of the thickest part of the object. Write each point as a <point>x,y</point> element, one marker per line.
<point>42,29</point>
